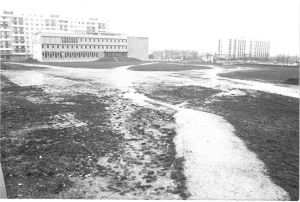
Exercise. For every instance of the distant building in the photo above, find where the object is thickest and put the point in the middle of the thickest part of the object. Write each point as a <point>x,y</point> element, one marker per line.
<point>175,54</point>
<point>138,47</point>
<point>17,30</point>
<point>240,48</point>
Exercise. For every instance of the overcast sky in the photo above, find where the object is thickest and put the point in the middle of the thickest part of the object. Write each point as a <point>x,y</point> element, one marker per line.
<point>185,24</point>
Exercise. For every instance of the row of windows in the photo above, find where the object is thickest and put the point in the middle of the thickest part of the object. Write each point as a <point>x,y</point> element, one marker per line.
<point>92,40</point>
<point>69,54</point>
<point>117,47</point>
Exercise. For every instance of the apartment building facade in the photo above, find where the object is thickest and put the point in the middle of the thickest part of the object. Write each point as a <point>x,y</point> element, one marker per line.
<point>17,31</point>
<point>12,36</point>
<point>240,48</point>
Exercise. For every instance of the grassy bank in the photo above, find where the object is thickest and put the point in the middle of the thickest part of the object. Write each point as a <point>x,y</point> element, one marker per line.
<point>166,67</point>
<point>274,74</point>
<point>17,67</point>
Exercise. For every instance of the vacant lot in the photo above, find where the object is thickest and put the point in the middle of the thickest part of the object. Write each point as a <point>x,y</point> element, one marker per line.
<point>273,74</point>
<point>79,136</point>
<point>166,67</point>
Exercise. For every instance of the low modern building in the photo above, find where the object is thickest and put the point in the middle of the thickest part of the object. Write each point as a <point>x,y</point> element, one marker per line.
<point>138,47</point>
<point>78,47</point>
<point>240,48</point>
<point>49,46</point>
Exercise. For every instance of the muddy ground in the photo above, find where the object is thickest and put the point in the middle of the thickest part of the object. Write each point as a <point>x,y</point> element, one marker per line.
<point>70,144</point>
<point>73,135</point>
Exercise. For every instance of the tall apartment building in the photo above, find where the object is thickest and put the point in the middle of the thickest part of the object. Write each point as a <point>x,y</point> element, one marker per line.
<point>17,30</point>
<point>240,48</point>
<point>12,36</point>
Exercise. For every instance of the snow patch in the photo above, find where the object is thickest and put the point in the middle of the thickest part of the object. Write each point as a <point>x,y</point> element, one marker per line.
<point>235,92</point>
<point>66,120</point>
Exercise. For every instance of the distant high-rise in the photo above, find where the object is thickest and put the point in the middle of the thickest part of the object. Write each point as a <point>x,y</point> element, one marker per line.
<point>240,48</point>
<point>175,54</point>
<point>17,30</point>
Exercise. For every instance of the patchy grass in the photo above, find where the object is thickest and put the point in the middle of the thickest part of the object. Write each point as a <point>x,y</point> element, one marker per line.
<point>38,161</point>
<point>92,65</point>
<point>166,67</point>
<point>267,123</point>
<point>274,74</point>
<point>17,67</point>
<point>180,94</point>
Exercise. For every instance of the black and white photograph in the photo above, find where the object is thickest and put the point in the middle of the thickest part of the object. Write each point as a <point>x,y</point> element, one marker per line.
<point>149,99</point>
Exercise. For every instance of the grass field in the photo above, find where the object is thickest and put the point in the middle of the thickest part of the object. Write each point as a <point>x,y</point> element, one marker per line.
<point>166,67</point>
<point>274,74</point>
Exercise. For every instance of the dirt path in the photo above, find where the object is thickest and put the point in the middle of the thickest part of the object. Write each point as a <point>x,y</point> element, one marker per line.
<point>217,164</point>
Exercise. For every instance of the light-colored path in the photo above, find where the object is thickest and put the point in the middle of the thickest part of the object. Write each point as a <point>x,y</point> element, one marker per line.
<point>2,185</point>
<point>217,163</point>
